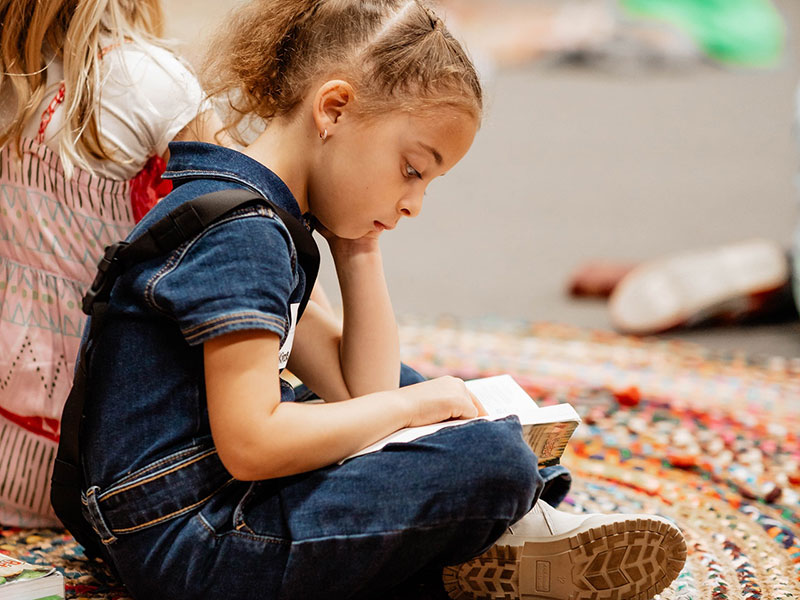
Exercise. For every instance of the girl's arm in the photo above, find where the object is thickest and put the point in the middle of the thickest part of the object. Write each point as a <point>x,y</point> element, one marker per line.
<point>260,437</point>
<point>361,354</point>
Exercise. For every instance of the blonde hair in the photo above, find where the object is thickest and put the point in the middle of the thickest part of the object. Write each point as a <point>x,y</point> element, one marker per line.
<point>77,32</point>
<point>397,54</point>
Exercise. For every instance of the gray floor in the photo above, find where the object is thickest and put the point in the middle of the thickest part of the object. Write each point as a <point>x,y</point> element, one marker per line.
<point>573,163</point>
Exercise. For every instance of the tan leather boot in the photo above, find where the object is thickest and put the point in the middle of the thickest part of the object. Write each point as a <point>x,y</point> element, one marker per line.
<point>554,555</point>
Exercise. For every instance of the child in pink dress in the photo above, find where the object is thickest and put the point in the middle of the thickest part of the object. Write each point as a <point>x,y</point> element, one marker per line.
<point>79,165</point>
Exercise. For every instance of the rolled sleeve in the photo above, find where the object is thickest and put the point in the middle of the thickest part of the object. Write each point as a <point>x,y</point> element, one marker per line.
<point>238,275</point>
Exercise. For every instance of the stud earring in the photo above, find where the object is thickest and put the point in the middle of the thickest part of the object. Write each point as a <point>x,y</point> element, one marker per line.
<point>324,135</point>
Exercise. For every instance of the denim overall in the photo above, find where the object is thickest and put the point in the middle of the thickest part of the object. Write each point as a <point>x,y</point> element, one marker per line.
<point>173,521</point>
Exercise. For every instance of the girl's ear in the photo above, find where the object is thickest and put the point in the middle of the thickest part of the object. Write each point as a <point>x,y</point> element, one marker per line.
<point>332,103</point>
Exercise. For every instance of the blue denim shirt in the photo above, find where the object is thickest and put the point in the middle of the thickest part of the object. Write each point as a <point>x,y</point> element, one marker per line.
<point>146,379</point>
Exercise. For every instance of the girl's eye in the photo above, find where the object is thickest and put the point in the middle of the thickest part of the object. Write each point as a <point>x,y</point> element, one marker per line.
<point>412,172</point>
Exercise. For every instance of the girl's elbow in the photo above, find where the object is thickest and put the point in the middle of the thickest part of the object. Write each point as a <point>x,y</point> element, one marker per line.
<point>244,454</point>
<point>248,462</point>
<point>241,465</point>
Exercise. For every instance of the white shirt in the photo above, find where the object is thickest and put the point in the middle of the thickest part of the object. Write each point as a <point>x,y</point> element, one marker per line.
<point>147,96</point>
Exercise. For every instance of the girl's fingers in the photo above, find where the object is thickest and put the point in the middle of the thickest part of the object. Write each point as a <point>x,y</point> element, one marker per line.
<point>481,410</point>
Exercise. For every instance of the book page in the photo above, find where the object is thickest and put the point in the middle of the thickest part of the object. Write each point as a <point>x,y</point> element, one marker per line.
<point>501,396</point>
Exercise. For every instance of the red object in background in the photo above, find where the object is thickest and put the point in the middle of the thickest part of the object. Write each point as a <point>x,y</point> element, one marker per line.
<point>597,278</point>
<point>147,188</point>
<point>629,396</point>
<point>681,460</point>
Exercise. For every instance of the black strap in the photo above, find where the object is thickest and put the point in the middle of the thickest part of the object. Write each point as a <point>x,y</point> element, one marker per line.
<point>184,223</point>
<point>181,225</point>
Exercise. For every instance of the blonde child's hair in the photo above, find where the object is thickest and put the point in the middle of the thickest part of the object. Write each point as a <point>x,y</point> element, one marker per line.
<point>396,53</point>
<point>78,32</point>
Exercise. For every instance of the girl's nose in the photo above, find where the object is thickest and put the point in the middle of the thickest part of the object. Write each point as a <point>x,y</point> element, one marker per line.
<point>411,205</point>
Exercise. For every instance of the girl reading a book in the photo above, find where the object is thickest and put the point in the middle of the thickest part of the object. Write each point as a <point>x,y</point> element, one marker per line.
<point>205,478</point>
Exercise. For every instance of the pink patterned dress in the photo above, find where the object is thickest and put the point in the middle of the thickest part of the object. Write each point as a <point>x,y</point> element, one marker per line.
<point>52,232</point>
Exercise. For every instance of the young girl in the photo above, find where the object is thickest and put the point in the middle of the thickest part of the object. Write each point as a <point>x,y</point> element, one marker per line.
<point>205,478</point>
<point>90,99</point>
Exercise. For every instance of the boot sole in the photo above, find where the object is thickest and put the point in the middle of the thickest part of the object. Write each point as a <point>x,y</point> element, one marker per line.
<point>690,286</point>
<point>627,560</point>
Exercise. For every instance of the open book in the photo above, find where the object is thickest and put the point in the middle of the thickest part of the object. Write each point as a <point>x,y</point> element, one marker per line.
<point>546,430</point>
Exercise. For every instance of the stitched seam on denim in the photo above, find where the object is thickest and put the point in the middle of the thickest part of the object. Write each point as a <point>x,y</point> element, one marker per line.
<point>231,320</point>
<point>180,252</point>
<point>449,523</point>
<point>253,313</point>
<point>272,324</point>
<point>150,288</point>
<point>177,255</point>
<point>134,484</point>
<point>238,512</point>
<point>155,465</point>
<point>204,524</point>
<point>172,515</point>
<point>256,538</point>
<point>92,491</point>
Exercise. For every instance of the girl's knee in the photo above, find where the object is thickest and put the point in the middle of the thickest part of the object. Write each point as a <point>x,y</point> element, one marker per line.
<point>497,464</point>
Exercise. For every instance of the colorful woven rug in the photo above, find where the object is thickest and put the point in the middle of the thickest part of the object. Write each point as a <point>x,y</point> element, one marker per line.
<point>709,440</point>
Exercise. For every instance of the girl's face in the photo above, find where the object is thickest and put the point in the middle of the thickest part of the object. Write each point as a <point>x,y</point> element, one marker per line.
<point>372,172</point>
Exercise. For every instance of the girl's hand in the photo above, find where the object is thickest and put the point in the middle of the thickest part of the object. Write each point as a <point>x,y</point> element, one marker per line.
<point>439,400</point>
<point>338,245</point>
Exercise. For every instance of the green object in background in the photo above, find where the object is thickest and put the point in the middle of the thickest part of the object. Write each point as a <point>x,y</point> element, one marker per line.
<point>744,32</point>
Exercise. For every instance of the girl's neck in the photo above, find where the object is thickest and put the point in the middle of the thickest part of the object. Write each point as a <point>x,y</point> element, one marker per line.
<point>284,148</point>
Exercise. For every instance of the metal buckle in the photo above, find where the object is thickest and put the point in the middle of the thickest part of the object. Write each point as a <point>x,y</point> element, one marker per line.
<point>107,273</point>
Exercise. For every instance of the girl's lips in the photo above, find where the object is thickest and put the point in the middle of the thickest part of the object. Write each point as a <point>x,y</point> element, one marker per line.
<point>381,227</point>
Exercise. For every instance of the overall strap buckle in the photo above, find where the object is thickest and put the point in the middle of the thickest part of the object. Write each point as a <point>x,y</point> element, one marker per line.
<point>108,269</point>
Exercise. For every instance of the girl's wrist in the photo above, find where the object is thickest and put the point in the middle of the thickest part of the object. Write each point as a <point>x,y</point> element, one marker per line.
<point>401,405</point>
<point>358,267</point>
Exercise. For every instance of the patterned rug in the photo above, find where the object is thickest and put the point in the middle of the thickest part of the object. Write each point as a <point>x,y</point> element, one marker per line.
<point>707,439</point>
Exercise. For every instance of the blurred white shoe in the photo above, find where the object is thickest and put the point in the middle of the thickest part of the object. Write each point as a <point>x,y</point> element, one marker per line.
<point>554,555</point>
<point>691,287</point>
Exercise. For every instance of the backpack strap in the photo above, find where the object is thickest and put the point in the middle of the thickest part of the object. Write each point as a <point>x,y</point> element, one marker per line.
<point>181,225</point>
<point>184,223</point>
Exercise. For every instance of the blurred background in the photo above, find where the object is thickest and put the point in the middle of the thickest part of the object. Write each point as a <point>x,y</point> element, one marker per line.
<point>614,129</point>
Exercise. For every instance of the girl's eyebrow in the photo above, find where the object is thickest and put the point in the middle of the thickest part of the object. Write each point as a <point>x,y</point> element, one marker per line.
<point>436,156</point>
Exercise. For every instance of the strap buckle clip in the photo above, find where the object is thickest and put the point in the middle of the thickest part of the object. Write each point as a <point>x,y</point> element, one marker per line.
<point>108,269</point>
